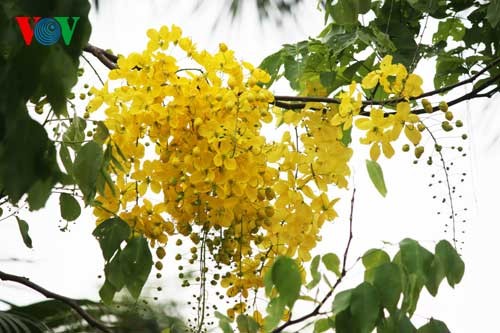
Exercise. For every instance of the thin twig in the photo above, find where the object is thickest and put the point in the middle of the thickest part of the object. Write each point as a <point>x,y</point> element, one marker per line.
<point>66,300</point>
<point>316,310</point>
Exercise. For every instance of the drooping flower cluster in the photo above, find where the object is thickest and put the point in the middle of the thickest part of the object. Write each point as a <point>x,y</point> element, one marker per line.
<point>195,161</point>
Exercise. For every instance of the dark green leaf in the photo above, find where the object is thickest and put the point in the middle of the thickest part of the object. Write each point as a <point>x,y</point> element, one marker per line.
<point>414,258</point>
<point>365,307</point>
<point>286,277</point>
<point>346,136</point>
<point>376,176</point>
<point>114,273</point>
<point>435,276</point>
<point>397,323</point>
<point>344,323</point>
<point>332,263</point>
<point>101,133</point>
<point>110,234</point>
<point>342,301</point>
<point>452,27</point>
<point>70,208</point>
<point>24,229</point>
<point>136,262</point>
<point>86,169</point>
<point>39,193</point>
<point>344,12</point>
<point>271,64</point>
<point>387,281</point>
<point>411,293</point>
<point>452,263</point>
<point>107,292</point>
<point>493,14</point>
<point>434,326</point>
<point>246,324</point>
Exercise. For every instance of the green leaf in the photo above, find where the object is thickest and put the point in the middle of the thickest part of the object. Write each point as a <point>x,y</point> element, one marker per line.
<point>344,323</point>
<point>107,292</point>
<point>224,322</point>
<point>448,70</point>
<point>316,276</point>
<point>376,176</point>
<point>246,324</point>
<point>39,193</point>
<point>70,208</point>
<point>275,310</point>
<point>272,64</point>
<point>110,234</point>
<point>364,307</point>
<point>286,277</point>
<point>414,258</point>
<point>452,27</point>
<point>101,133</point>
<point>24,229</point>
<point>344,12</point>
<point>332,263</point>
<point>346,137</point>
<point>268,282</point>
<point>493,13</point>
<point>411,294</point>
<point>114,273</point>
<point>66,158</point>
<point>342,301</point>
<point>136,262</point>
<point>75,134</point>
<point>397,323</point>
<point>434,326</point>
<point>324,324</point>
<point>86,169</point>
<point>452,263</point>
<point>375,257</point>
<point>435,276</point>
<point>387,281</point>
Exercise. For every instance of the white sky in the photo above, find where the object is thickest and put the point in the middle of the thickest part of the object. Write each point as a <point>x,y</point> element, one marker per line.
<point>69,263</point>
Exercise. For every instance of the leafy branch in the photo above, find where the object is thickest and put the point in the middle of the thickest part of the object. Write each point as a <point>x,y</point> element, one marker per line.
<point>49,294</point>
<point>316,310</point>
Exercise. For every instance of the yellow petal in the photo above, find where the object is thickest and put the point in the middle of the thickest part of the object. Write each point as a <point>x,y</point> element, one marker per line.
<point>374,151</point>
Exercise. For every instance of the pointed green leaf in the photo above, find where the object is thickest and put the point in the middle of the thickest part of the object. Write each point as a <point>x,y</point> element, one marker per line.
<point>114,273</point>
<point>332,263</point>
<point>324,324</point>
<point>110,234</point>
<point>224,322</point>
<point>397,323</point>
<point>24,229</point>
<point>493,13</point>
<point>365,307</point>
<point>271,64</point>
<point>435,276</point>
<point>88,162</point>
<point>136,262</point>
<point>414,258</point>
<point>70,208</point>
<point>452,263</point>
<point>66,158</point>
<point>107,292</point>
<point>75,134</point>
<point>286,277</point>
<point>376,176</point>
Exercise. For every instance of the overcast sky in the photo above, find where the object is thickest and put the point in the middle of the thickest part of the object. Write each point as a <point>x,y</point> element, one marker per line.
<point>69,262</point>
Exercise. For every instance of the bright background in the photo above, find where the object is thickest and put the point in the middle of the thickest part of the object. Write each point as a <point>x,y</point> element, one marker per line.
<point>69,262</point>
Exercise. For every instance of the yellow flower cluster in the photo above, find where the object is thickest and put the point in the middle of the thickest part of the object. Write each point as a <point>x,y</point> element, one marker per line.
<point>196,163</point>
<point>381,128</point>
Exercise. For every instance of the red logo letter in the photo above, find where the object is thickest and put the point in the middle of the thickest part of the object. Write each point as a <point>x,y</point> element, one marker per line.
<point>26,28</point>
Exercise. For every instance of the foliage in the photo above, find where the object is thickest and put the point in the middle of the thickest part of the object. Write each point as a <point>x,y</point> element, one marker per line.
<point>169,150</point>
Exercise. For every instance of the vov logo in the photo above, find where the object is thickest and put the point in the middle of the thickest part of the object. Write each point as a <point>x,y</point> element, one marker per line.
<point>48,30</point>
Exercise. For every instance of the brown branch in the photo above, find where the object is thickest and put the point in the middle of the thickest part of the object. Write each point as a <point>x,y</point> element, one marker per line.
<point>316,310</point>
<point>109,60</point>
<point>68,301</point>
<point>305,99</point>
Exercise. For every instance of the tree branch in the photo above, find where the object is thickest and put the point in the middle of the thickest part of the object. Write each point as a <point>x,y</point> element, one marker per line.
<point>109,60</point>
<point>316,310</point>
<point>68,301</point>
